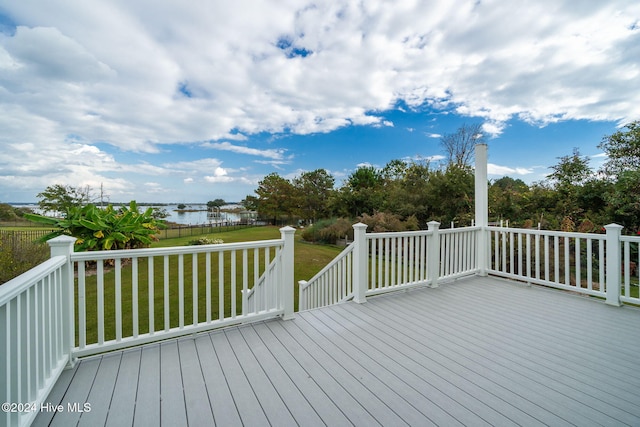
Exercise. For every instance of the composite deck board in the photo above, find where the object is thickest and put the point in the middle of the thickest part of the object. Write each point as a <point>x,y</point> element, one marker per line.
<point>478,351</point>
<point>600,374</point>
<point>125,390</point>
<point>172,409</point>
<point>223,407</point>
<point>196,397</point>
<point>77,392</point>
<point>295,401</point>
<point>452,343</point>
<point>245,399</point>
<point>101,391</point>
<point>420,377</point>
<point>432,354</point>
<point>405,385</point>
<point>316,396</point>
<point>437,355</point>
<point>148,398</point>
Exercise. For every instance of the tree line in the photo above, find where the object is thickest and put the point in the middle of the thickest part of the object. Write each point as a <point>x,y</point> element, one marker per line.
<point>573,197</point>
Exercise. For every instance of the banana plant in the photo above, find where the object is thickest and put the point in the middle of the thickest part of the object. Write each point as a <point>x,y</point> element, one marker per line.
<point>104,229</point>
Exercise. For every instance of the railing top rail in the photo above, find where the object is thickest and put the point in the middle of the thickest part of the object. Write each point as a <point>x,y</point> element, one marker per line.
<point>398,234</point>
<point>457,230</point>
<point>630,239</point>
<point>174,250</point>
<point>548,232</point>
<point>17,285</point>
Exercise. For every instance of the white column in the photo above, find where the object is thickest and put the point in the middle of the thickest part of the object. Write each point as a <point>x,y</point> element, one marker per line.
<point>360,258</point>
<point>287,234</point>
<point>63,246</point>
<point>613,264</point>
<point>481,207</point>
<point>433,254</point>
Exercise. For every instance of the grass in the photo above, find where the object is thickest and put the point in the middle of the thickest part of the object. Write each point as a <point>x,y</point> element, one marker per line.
<point>309,259</point>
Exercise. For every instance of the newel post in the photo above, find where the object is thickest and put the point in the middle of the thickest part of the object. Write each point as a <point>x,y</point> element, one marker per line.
<point>287,234</point>
<point>433,254</point>
<point>481,207</point>
<point>360,258</point>
<point>613,263</point>
<point>63,246</point>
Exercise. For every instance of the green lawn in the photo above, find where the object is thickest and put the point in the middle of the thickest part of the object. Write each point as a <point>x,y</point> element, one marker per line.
<point>309,259</point>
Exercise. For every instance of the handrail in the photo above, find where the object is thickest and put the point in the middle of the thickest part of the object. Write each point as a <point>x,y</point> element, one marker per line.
<point>19,284</point>
<point>348,249</point>
<point>33,338</point>
<point>176,250</point>
<point>330,285</point>
<point>535,231</point>
<point>209,294</point>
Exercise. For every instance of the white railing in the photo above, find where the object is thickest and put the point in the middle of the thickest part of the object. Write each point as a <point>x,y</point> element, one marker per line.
<point>569,261</point>
<point>600,265</point>
<point>630,269</point>
<point>330,285</point>
<point>458,253</point>
<point>132,297</point>
<point>261,296</point>
<point>34,336</point>
<point>397,260</point>
<point>376,263</point>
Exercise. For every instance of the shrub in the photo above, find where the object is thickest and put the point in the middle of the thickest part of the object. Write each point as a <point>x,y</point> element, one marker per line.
<point>205,241</point>
<point>98,229</point>
<point>382,222</point>
<point>329,231</point>
<point>18,256</point>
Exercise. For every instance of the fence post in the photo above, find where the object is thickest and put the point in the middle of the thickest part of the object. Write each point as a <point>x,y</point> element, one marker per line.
<point>63,246</point>
<point>360,258</point>
<point>613,264</point>
<point>287,234</point>
<point>433,254</point>
<point>481,207</point>
<point>302,301</point>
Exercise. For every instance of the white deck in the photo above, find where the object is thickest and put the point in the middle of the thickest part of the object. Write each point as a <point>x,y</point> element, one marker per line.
<point>479,351</point>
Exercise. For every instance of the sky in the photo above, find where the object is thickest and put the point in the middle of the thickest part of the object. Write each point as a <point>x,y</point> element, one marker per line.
<point>187,102</point>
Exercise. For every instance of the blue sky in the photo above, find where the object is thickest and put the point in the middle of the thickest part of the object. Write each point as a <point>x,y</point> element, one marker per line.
<point>195,101</point>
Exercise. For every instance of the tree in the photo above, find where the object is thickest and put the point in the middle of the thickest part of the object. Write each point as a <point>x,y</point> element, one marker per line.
<point>571,170</point>
<point>506,198</point>
<point>7,212</point>
<point>250,203</point>
<point>215,203</point>
<point>459,146</point>
<point>363,192</point>
<point>449,195</point>
<point>624,200</point>
<point>405,189</point>
<point>622,149</point>
<point>568,177</point>
<point>60,198</point>
<point>275,196</point>
<point>314,190</point>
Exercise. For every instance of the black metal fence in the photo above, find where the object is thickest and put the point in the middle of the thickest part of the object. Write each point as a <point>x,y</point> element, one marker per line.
<point>199,229</point>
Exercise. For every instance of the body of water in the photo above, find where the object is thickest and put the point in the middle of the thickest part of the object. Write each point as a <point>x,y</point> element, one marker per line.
<point>198,214</point>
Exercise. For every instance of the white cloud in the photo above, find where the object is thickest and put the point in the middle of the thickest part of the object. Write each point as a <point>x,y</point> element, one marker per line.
<point>493,169</point>
<point>435,158</point>
<point>433,135</point>
<point>364,165</point>
<point>275,153</point>
<point>112,72</point>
